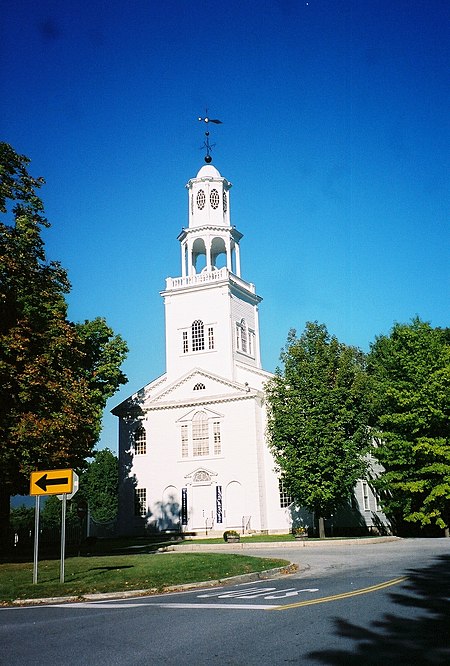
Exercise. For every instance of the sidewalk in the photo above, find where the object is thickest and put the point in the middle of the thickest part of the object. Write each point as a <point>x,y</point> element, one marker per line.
<point>296,543</point>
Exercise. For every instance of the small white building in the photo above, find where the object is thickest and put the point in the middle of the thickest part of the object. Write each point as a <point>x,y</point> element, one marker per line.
<point>192,447</point>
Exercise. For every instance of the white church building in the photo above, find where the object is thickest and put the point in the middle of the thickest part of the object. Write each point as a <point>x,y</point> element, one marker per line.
<point>192,448</point>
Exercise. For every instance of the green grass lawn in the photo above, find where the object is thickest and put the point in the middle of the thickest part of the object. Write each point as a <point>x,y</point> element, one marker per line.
<point>84,575</point>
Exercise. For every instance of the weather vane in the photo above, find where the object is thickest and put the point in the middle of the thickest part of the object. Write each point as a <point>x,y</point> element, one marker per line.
<point>206,144</point>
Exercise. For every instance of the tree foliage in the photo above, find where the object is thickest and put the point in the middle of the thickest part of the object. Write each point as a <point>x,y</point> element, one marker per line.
<point>411,371</point>
<point>317,418</point>
<point>99,485</point>
<point>55,376</point>
<point>22,518</point>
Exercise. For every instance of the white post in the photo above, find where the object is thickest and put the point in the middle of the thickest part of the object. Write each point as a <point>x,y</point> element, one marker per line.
<point>183,260</point>
<point>208,254</point>
<point>237,259</point>
<point>63,536</point>
<point>229,253</point>
<point>36,540</point>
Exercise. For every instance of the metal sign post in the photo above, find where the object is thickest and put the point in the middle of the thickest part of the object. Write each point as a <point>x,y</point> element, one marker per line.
<point>64,497</point>
<point>63,537</point>
<point>36,539</point>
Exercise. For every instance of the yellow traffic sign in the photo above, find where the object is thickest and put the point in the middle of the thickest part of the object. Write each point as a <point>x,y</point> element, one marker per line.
<point>51,482</point>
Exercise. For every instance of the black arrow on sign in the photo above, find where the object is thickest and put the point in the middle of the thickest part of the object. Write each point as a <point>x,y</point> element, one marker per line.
<point>43,482</point>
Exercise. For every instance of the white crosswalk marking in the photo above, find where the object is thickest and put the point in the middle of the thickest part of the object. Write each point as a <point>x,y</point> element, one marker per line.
<point>290,592</point>
<point>255,592</point>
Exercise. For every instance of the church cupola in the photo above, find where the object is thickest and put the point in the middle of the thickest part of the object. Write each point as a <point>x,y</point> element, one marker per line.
<point>209,198</point>
<point>210,242</point>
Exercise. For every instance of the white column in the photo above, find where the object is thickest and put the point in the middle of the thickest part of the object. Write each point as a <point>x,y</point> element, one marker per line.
<point>228,251</point>
<point>208,253</point>
<point>189,257</point>
<point>238,259</point>
<point>183,260</point>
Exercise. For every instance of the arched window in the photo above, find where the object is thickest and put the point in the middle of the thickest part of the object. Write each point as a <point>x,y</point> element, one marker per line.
<point>199,387</point>
<point>140,441</point>
<point>200,436</point>
<point>198,335</point>
<point>245,338</point>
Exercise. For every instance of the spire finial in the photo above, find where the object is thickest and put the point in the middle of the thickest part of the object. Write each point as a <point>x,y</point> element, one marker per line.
<point>206,144</point>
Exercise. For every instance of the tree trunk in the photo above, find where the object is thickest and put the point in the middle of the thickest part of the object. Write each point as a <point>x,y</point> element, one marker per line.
<point>4,520</point>
<point>321,528</point>
<point>447,532</point>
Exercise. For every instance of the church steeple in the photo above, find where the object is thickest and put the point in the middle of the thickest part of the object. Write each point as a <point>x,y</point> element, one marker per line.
<point>211,312</point>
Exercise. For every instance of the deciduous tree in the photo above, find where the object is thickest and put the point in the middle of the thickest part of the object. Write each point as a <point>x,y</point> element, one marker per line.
<point>99,485</point>
<point>317,419</point>
<point>55,376</point>
<point>411,371</point>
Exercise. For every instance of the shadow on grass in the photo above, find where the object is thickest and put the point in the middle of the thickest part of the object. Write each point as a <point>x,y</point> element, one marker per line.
<point>105,569</point>
<point>92,547</point>
<point>394,639</point>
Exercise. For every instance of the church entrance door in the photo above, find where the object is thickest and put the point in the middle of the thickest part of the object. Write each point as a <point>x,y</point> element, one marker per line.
<point>203,507</point>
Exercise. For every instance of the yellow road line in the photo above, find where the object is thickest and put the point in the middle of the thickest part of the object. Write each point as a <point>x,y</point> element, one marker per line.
<point>343,595</point>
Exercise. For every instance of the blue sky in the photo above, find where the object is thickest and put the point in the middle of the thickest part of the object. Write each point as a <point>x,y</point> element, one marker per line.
<point>335,136</point>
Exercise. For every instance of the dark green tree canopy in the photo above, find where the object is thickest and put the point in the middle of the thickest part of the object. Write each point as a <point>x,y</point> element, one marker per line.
<point>318,418</point>
<point>411,374</point>
<point>55,376</point>
<point>99,485</point>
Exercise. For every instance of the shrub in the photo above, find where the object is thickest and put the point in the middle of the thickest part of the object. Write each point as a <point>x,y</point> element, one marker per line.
<point>231,534</point>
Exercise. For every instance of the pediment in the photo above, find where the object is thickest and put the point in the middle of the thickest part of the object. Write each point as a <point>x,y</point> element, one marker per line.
<point>201,475</point>
<point>198,386</point>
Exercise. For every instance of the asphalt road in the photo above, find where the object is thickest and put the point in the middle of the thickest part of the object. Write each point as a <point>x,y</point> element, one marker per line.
<point>385,603</point>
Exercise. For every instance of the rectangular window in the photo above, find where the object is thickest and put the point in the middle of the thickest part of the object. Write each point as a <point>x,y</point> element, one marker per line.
<point>211,337</point>
<point>365,495</point>
<point>285,498</point>
<point>140,442</point>
<point>185,342</point>
<point>140,502</point>
<point>184,441</point>
<point>238,336</point>
<point>216,436</point>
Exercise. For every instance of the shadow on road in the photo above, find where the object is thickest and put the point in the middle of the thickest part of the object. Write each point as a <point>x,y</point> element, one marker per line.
<point>403,640</point>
